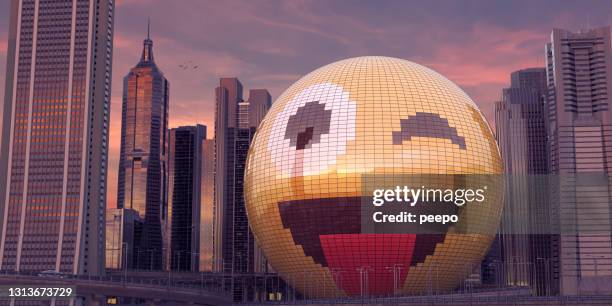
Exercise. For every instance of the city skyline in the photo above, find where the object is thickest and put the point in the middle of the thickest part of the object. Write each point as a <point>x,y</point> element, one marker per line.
<point>475,50</point>
<point>212,177</point>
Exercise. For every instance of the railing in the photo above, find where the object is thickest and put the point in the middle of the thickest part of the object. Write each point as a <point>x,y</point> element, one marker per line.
<point>264,284</point>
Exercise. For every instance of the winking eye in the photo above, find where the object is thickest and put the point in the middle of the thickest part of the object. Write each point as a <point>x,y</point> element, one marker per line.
<point>427,125</point>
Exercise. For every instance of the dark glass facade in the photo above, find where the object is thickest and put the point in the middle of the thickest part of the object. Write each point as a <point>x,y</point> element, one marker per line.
<point>55,136</point>
<point>235,124</point>
<point>142,164</point>
<point>521,134</point>
<point>184,196</point>
<point>120,224</point>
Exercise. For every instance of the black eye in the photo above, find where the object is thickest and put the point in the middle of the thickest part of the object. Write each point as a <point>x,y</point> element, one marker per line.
<point>427,125</point>
<point>313,128</point>
<point>307,125</point>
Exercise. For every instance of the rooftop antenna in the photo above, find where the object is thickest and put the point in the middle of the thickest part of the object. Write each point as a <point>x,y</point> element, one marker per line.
<point>148,27</point>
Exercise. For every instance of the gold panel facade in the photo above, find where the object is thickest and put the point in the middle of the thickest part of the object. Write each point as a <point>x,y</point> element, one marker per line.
<point>356,117</point>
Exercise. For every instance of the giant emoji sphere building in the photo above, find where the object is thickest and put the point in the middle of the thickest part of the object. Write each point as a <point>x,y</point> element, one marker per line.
<point>328,132</point>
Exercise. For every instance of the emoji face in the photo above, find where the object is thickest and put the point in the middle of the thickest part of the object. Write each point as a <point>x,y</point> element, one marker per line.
<point>321,141</point>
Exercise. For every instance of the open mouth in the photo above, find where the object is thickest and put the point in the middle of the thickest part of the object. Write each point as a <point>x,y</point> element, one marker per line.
<point>329,231</point>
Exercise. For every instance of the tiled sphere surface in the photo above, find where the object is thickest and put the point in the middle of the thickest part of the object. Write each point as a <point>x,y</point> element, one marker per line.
<point>359,117</point>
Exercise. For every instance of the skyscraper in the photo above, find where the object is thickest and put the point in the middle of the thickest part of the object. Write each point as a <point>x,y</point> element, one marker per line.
<point>55,136</point>
<point>228,95</point>
<point>142,163</point>
<point>207,205</point>
<point>521,134</point>
<point>579,78</point>
<point>120,230</point>
<point>184,196</point>
<point>235,124</point>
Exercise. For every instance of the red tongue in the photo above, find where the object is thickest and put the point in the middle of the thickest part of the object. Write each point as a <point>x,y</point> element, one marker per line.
<point>349,256</point>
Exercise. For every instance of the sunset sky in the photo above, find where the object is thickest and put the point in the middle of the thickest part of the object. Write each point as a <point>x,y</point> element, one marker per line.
<point>270,44</point>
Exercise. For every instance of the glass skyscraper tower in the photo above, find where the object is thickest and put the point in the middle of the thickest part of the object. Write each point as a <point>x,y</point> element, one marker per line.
<point>521,134</point>
<point>55,135</point>
<point>235,124</point>
<point>579,71</point>
<point>142,162</point>
<point>185,165</point>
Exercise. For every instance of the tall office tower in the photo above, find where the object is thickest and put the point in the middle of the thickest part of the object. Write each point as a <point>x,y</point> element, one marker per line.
<point>184,196</point>
<point>55,136</point>
<point>227,95</point>
<point>142,162</point>
<point>579,77</point>
<point>521,134</point>
<point>207,206</point>
<point>235,124</point>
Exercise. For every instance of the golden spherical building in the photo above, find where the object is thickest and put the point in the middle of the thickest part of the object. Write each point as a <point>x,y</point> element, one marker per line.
<point>334,129</point>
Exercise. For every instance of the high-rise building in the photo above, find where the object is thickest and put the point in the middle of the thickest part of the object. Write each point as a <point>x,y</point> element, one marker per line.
<point>55,136</point>
<point>228,95</point>
<point>235,124</point>
<point>579,78</point>
<point>142,162</point>
<point>121,225</point>
<point>207,205</point>
<point>524,244</point>
<point>185,165</point>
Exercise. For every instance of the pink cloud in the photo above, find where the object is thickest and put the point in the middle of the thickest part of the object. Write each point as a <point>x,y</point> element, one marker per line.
<point>3,42</point>
<point>120,41</point>
<point>487,55</point>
